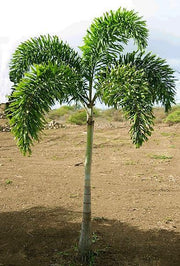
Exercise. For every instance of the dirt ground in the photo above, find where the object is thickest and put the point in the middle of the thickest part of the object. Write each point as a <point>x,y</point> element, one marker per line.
<point>135,198</point>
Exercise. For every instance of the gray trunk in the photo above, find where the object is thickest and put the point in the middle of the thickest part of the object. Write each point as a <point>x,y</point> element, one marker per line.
<point>85,236</point>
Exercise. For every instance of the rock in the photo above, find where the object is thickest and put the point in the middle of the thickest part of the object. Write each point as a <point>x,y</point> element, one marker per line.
<point>54,125</point>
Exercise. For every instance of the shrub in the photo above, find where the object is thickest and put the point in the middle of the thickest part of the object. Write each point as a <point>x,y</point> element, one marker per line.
<point>173,117</point>
<point>62,111</point>
<point>78,118</point>
<point>170,117</point>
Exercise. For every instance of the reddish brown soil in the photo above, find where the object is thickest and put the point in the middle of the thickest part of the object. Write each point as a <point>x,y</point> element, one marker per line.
<point>135,198</point>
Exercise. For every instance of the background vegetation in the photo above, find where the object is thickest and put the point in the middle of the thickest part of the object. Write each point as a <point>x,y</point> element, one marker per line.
<point>75,115</point>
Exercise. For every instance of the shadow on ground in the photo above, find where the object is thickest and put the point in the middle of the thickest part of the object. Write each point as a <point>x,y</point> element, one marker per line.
<point>41,236</point>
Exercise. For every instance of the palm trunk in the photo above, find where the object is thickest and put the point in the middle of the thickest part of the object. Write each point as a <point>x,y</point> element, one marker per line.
<point>85,236</point>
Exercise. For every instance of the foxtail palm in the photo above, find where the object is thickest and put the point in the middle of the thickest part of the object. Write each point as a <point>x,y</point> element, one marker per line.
<point>45,70</point>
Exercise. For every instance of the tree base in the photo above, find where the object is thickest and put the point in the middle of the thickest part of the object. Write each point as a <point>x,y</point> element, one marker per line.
<point>87,257</point>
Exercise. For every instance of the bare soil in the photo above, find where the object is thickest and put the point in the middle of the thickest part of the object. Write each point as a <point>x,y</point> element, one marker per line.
<point>135,198</point>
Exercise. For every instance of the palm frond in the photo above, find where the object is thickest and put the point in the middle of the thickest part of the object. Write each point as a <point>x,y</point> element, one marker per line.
<point>159,74</point>
<point>33,96</point>
<point>43,49</point>
<point>109,33</point>
<point>127,87</point>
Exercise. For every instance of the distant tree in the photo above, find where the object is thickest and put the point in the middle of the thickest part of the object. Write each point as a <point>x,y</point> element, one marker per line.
<point>46,69</point>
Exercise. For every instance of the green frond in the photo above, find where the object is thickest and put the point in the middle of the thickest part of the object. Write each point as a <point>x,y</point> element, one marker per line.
<point>127,87</point>
<point>160,76</point>
<point>33,96</point>
<point>108,34</point>
<point>43,49</point>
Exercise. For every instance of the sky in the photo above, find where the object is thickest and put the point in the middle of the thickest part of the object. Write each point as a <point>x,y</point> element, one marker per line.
<point>69,19</point>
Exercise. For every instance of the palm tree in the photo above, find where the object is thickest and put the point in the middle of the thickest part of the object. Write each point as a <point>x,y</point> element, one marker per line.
<point>45,70</point>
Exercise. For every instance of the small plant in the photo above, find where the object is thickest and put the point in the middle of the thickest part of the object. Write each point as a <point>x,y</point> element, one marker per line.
<point>99,219</point>
<point>172,146</point>
<point>73,196</point>
<point>162,157</point>
<point>75,247</point>
<point>173,134</point>
<point>8,181</point>
<point>95,237</point>
<point>62,253</point>
<point>168,220</point>
<point>165,134</point>
<point>55,158</point>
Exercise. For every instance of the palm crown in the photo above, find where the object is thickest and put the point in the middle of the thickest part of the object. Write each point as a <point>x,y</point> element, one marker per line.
<point>45,69</point>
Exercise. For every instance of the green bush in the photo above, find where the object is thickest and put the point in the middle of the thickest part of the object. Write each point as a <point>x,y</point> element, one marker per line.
<point>62,111</point>
<point>78,118</point>
<point>161,116</point>
<point>173,117</point>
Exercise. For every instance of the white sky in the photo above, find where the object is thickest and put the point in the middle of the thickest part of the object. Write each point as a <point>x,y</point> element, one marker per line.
<point>69,19</point>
